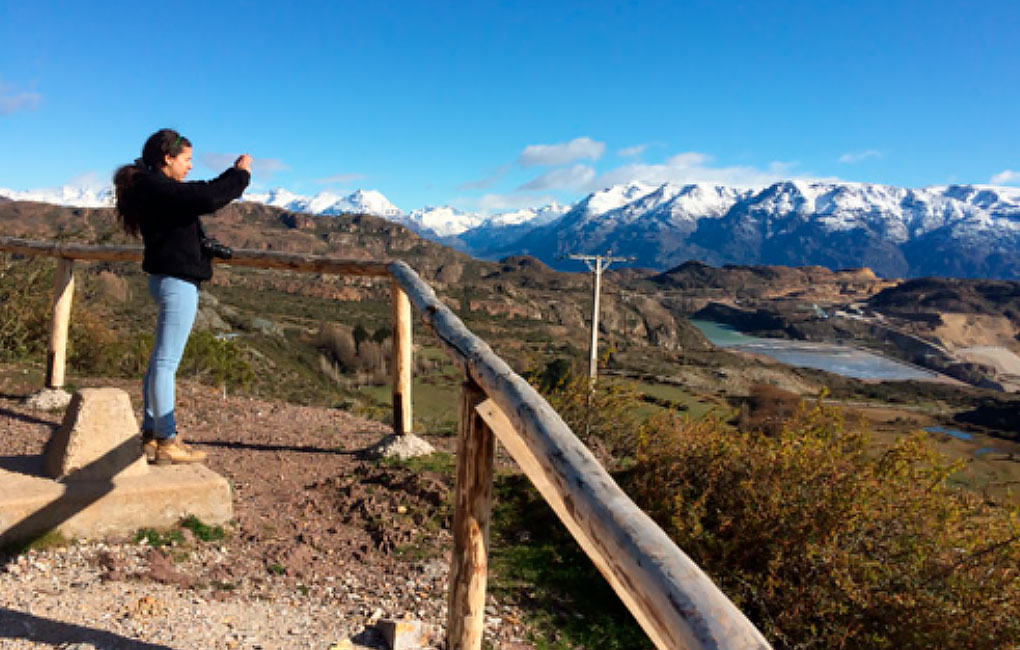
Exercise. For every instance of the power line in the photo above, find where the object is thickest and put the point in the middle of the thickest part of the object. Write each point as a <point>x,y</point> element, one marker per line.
<point>596,264</point>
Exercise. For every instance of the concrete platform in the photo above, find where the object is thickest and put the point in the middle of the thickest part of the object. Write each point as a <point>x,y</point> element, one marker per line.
<point>32,504</point>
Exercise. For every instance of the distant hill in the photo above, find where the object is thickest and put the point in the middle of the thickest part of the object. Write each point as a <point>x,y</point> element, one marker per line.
<point>763,281</point>
<point>255,226</point>
<point>523,298</point>
<point>928,295</point>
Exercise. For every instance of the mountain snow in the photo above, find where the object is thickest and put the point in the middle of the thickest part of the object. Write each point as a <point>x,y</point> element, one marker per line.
<point>79,197</point>
<point>441,221</point>
<point>809,222</point>
<point>530,216</point>
<point>328,203</point>
<point>611,198</point>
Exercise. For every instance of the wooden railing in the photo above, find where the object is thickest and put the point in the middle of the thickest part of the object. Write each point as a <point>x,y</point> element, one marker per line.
<point>672,599</point>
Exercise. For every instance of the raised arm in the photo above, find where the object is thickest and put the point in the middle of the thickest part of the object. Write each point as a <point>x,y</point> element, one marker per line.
<point>195,198</point>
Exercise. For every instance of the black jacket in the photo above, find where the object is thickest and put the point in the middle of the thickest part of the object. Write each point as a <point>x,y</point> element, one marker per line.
<point>170,224</point>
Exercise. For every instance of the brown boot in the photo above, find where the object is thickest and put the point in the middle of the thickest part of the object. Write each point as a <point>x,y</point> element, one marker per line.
<point>149,445</point>
<point>172,451</point>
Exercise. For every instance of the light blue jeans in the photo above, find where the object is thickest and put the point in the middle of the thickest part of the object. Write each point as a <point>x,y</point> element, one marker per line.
<point>177,301</point>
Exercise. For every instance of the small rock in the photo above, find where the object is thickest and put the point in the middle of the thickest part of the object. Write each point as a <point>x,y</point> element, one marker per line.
<point>404,634</point>
<point>400,447</point>
<point>48,399</point>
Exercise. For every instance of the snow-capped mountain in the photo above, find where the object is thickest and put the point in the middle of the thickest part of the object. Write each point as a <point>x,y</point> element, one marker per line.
<point>526,216</point>
<point>328,203</point>
<point>80,197</point>
<point>507,227</point>
<point>441,221</point>
<point>947,230</point>
<point>954,230</point>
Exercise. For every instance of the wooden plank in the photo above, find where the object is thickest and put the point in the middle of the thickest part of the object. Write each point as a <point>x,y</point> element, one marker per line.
<point>242,257</point>
<point>60,321</point>
<point>669,593</point>
<point>305,263</point>
<point>402,423</point>
<point>472,508</point>
<point>71,251</point>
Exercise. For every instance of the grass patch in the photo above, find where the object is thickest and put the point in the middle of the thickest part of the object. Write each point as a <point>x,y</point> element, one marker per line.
<point>276,569</point>
<point>667,396</point>
<point>417,551</point>
<point>50,539</point>
<point>434,405</point>
<point>537,564</point>
<point>439,462</point>
<point>158,539</point>
<point>203,531</point>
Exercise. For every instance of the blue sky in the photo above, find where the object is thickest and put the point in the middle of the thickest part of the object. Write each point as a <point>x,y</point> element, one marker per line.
<point>494,105</point>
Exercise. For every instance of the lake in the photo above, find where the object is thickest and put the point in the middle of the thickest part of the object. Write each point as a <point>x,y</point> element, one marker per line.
<point>832,357</point>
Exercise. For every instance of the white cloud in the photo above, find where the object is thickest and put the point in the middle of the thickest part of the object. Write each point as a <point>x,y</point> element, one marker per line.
<point>92,180</point>
<point>636,150</point>
<point>264,167</point>
<point>859,156</point>
<point>490,203</point>
<point>560,154</point>
<point>13,100</point>
<point>1006,177</point>
<point>486,182</point>
<point>218,161</point>
<point>689,159</point>
<point>692,167</point>
<point>268,166</point>
<point>564,178</point>
<point>340,179</point>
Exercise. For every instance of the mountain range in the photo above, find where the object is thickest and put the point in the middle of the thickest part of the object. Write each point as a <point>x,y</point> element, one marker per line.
<point>954,230</point>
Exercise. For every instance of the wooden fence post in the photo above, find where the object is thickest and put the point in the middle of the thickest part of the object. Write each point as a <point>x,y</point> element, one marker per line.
<point>401,361</point>
<point>63,294</point>
<point>472,506</point>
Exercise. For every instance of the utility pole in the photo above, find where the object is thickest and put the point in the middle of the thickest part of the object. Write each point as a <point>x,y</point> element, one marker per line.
<point>596,264</point>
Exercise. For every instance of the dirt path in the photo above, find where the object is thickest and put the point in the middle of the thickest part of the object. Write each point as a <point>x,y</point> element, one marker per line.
<point>322,543</point>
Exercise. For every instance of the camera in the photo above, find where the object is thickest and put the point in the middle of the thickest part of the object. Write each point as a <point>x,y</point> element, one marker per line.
<point>213,248</point>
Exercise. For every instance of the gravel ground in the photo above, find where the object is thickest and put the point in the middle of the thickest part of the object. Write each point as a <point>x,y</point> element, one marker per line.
<point>322,545</point>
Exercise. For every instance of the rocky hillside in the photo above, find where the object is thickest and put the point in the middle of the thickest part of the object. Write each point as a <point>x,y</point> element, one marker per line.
<point>521,302</point>
<point>805,283</point>
<point>501,299</point>
<point>940,295</point>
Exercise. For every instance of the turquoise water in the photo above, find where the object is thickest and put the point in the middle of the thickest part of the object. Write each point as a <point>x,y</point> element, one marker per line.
<point>956,433</point>
<point>989,450</point>
<point>832,357</point>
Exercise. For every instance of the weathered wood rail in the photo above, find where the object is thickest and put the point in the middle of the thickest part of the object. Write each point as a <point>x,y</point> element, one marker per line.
<point>672,599</point>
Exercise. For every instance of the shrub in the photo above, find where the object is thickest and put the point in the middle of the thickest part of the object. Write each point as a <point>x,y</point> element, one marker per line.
<point>381,334</point>
<point>603,417</point>
<point>216,361</point>
<point>26,292</point>
<point>824,546</point>
<point>338,342</point>
<point>767,409</point>
<point>354,352</point>
<point>360,335</point>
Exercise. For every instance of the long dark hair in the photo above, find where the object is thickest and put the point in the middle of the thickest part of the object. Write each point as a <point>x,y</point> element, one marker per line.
<point>162,143</point>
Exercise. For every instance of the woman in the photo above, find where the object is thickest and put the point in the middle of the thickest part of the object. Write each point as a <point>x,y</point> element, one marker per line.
<point>154,201</point>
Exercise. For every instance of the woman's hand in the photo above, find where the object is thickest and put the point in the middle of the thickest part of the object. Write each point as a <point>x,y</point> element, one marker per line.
<point>243,162</point>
